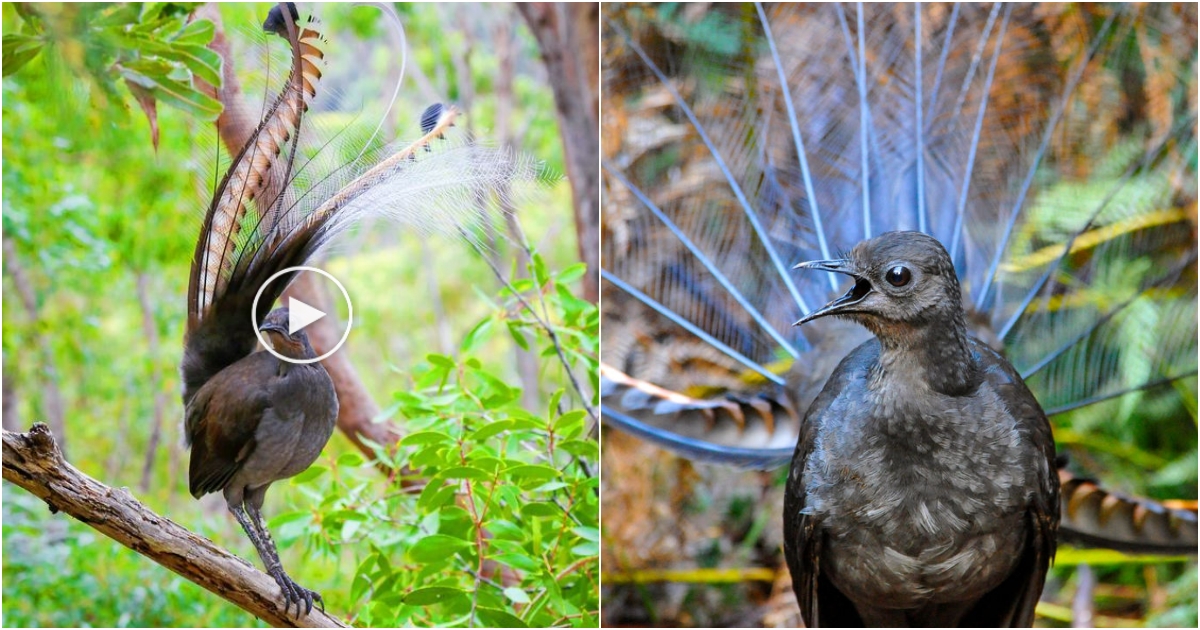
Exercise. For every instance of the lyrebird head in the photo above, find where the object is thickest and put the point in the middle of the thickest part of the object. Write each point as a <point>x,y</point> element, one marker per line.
<point>902,280</point>
<point>275,329</point>
<point>275,22</point>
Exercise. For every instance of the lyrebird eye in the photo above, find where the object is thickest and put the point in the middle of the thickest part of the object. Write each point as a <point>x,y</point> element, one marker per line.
<point>898,276</point>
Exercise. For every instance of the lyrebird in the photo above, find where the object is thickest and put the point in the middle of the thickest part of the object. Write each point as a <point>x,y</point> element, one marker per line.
<point>1056,170</point>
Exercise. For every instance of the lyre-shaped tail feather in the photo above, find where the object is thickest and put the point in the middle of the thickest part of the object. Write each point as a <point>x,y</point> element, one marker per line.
<point>1096,517</point>
<point>256,172</point>
<point>297,185</point>
<point>440,189</point>
<point>754,433</point>
<point>217,334</point>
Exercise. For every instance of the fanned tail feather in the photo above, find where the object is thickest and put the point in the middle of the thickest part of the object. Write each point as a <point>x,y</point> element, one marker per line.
<point>300,182</point>
<point>746,138</point>
<point>1095,517</point>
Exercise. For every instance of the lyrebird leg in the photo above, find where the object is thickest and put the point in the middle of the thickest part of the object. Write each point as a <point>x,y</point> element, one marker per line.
<point>266,552</point>
<point>269,553</point>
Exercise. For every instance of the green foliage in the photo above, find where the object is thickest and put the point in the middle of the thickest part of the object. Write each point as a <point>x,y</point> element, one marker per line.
<point>505,529</point>
<point>151,47</point>
<point>109,585</point>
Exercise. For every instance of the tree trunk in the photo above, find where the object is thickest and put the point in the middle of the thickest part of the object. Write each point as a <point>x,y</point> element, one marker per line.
<point>568,36</point>
<point>150,332</point>
<point>52,400</point>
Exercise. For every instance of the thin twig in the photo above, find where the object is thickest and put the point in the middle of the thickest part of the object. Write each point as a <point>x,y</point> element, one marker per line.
<point>583,399</point>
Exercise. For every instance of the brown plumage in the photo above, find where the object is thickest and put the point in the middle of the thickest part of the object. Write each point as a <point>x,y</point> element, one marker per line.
<point>251,417</point>
<point>253,171</point>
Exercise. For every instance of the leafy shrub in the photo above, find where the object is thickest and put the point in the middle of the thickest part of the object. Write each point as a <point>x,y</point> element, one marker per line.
<point>503,528</point>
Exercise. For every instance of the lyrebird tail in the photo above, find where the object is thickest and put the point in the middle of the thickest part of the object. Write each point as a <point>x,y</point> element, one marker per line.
<point>746,139</point>
<point>297,184</point>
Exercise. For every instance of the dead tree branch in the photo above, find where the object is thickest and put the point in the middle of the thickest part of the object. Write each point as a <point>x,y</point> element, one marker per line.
<point>33,461</point>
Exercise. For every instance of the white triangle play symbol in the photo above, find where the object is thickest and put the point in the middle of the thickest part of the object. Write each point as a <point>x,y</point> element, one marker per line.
<point>301,315</point>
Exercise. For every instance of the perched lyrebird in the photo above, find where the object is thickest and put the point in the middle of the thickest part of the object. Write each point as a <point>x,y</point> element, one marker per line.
<point>1054,166</point>
<point>292,188</point>
<point>923,489</point>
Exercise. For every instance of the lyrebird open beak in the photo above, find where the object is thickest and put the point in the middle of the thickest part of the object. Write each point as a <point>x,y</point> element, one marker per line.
<point>845,303</point>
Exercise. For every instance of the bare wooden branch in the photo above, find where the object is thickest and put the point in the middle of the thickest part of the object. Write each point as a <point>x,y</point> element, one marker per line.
<point>33,461</point>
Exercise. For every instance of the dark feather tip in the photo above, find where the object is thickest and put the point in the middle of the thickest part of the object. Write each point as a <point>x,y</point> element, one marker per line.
<point>275,22</point>
<point>430,116</point>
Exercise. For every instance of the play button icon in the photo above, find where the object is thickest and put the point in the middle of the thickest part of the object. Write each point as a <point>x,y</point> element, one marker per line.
<point>301,315</point>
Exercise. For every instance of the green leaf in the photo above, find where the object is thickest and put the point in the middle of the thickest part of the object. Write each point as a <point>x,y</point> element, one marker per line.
<point>531,471</point>
<point>514,330</point>
<point>491,429</point>
<point>439,497</point>
<point>361,581</point>
<point>433,595</point>
<point>425,437</point>
<point>551,486</point>
<point>350,460</point>
<point>517,561</point>
<point>486,463</point>
<point>1071,556</point>
<point>587,533</point>
<point>586,549</point>
<point>464,472</point>
<point>555,399</point>
<point>572,272</point>
<point>436,547</point>
<point>345,515</point>
<point>495,618</point>
<point>310,473</point>
<point>204,63</point>
<point>479,334</point>
<point>539,269</point>
<point>19,49</point>
<point>516,595</point>
<point>522,285</point>
<point>288,517</point>
<point>175,93</point>
<point>572,420</point>
<point>584,449</point>
<point>501,528</point>
<point>440,360</point>
<point>540,508</point>
<point>431,488</point>
<point>198,32</point>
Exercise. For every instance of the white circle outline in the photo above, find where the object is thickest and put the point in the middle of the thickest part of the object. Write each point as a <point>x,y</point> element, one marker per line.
<point>267,346</point>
